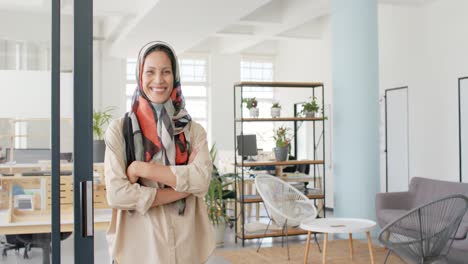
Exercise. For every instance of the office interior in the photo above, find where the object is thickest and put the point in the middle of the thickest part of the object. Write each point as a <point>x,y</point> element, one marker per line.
<point>393,106</point>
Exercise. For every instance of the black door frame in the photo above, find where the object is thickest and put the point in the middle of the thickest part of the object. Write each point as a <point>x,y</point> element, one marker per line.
<point>459,129</point>
<point>82,129</point>
<point>386,131</point>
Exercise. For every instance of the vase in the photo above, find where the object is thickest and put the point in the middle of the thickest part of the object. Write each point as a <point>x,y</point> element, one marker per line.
<point>275,112</point>
<point>310,114</point>
<point>254,112</point>
<point>219,233</point>
<point>99,149</point>
<point>281,153</point>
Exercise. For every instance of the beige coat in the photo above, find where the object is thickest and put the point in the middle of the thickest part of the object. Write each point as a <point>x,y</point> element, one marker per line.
<point>139,233</point>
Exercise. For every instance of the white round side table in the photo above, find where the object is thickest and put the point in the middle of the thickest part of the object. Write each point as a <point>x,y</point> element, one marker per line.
<point>340,226</point>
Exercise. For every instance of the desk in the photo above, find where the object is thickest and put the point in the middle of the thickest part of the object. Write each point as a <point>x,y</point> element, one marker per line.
<point>13,221</point>
<point>102,219</point>
<point>98,168</point>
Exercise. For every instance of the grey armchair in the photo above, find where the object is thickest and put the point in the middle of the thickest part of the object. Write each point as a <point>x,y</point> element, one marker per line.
<point>425,234</point>
<point>391,206</point>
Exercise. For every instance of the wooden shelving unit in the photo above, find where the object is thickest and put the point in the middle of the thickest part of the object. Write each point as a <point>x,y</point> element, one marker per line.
<point>258,199</point>
<point>279,163</point>
<point>279,119</point>
<point>276,233</point>
<point>242,199</point>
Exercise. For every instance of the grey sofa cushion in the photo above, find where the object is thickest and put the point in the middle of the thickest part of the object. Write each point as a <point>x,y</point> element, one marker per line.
<point>462,231</point>
<point>426,190</point>
<point>457,256</point>
<point>387,216</point>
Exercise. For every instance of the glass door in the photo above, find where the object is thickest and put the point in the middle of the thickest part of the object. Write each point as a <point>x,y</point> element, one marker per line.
<point>46,165</point>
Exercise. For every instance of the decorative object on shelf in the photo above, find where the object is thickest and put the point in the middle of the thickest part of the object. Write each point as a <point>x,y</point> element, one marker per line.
<point>215,199</point>
<point>311,108</point>
<point>276,110</point>
<point>252,106</point>
<point>282,140</point>
<point>100,121</point>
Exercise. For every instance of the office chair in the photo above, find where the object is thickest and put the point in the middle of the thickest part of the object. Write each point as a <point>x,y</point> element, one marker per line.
<point>14,243</point>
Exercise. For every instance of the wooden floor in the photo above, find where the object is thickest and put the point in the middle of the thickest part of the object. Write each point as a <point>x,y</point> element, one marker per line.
<point>337,252</point>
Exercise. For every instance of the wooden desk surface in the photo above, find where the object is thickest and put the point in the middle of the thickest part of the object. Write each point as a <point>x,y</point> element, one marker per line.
<point>102,219</point>
<point>20,167</point>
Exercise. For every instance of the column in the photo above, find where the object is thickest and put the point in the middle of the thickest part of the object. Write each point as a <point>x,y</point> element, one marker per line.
<point>355,107</point>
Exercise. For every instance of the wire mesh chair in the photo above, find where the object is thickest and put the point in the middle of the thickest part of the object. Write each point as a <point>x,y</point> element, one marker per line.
<point>285,205</point>
<point>425,234</point>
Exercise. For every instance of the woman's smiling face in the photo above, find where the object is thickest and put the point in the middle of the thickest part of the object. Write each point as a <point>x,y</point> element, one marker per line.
<point>157,78</point>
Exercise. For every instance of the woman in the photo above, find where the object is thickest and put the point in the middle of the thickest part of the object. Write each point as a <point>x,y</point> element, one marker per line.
<point>158,169</point>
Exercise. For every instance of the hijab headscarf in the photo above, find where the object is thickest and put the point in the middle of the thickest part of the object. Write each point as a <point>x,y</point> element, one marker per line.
<point>158,131</point>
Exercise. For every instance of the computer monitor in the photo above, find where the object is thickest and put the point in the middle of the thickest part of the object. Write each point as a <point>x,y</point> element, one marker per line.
<point>247,146</point>
<point>28,155</point>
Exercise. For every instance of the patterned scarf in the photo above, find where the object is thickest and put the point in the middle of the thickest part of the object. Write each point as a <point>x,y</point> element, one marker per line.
<point>166,137</point>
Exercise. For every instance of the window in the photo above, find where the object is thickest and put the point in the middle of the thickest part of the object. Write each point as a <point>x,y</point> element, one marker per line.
<point>259,69</point>
<point>131,82</point>
<point>193,75</point>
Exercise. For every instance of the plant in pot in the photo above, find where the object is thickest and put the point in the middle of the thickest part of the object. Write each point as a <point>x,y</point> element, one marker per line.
<point>100,121</point>
<point>252,106</point>
<point>215,199</point>
<point>310,109</point>
<point>275,110</point>
<point>282,139</point>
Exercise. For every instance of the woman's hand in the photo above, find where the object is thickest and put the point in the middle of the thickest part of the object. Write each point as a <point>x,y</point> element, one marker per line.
<point>132,171</point>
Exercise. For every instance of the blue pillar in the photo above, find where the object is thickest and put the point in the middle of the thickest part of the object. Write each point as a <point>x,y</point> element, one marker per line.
<point>355,107</point>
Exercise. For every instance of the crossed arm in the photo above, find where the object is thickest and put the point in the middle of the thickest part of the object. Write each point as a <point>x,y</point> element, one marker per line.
<point>158,173</point>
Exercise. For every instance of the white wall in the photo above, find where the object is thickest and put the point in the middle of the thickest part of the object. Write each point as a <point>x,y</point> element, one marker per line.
<point>110,90</point>
<point>423,47</point>
<point>26,94</point>
<point>225,71</point>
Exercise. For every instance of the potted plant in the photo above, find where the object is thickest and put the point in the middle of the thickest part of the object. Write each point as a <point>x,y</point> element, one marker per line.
<point>309,109</point>
<point>282,139</point>
<point>252,106</point>
<point>275,110</point>
<point>100,121</point>
<point>215,199</point>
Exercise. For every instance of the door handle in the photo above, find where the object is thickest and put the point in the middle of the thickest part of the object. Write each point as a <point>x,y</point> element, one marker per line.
<point>86,208</point>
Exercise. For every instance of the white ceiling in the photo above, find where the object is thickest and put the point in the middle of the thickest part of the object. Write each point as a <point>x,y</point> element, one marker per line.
<point>225,26</point>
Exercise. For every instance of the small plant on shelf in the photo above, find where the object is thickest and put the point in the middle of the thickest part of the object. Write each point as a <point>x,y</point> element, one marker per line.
<point>276,105</point>
<point>309,109</point>
<point>252,106</point>
<point>282,139</point>
<point>275,110</point>
<point>250,102</point>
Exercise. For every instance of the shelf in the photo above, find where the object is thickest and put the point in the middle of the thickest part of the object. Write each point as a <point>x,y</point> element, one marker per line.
<point>275,233</point>
<point>317,195</point>
<point>258,199</point>
<point>278,163</point>
<point>281,84</point>
<point>279,119</point>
